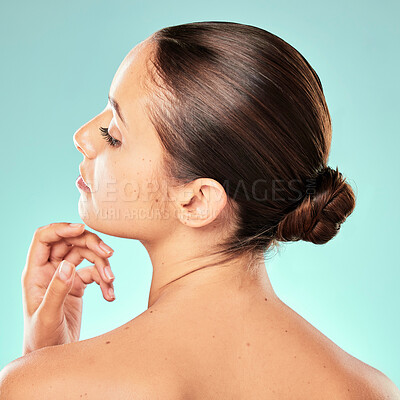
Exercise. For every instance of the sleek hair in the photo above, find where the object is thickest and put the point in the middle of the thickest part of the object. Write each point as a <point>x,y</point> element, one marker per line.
<point>237,104</point>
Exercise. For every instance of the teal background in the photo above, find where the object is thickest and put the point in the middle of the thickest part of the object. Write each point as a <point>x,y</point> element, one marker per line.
<point>57,63</point>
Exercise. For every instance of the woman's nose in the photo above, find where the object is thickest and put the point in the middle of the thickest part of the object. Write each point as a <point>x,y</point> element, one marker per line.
<point>83,142</point>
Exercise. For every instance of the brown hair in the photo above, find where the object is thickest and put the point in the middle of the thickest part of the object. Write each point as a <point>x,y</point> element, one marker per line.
<point>237,104</point>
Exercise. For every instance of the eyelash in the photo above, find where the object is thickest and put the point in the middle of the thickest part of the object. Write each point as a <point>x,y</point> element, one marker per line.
<point>113,142</point>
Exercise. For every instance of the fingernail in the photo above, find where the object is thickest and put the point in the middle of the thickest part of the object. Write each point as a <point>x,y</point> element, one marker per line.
<point>105,248</point>
<point>65,270</point>
<point>111,292</point>
<point>76,225</point>
<point>108,272</point>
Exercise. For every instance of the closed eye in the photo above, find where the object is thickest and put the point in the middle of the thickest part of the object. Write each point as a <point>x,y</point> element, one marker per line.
<point>112,141</point>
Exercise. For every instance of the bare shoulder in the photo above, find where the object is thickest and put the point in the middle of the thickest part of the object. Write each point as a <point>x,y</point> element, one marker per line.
<point>332,373</point>
<point>107,366</point>
<point>363,381</point>
<point>51,372</point>
<point>20,378</point>
<point>353,379</point>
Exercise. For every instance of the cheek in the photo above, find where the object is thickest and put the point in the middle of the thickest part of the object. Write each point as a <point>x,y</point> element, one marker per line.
<point>127,178</point>
<point>120,183</point>
<point>106,179</point>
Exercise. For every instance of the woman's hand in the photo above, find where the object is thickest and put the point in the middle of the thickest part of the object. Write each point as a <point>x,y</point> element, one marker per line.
<point>52,302</point>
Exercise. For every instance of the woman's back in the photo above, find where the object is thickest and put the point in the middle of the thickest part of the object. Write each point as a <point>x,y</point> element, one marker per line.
<point>228,345</point>
<point>258,350</point>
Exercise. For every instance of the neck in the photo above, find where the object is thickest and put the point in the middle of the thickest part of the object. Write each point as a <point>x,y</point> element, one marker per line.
<point>180,274</point>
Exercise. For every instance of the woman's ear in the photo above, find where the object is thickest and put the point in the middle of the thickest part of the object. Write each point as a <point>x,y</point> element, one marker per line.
<point>200,202</point>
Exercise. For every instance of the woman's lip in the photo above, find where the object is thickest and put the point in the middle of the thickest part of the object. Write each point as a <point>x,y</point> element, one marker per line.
<point>81,184</point>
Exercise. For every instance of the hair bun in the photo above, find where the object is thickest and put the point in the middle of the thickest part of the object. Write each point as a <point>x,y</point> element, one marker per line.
<point>319,216</point>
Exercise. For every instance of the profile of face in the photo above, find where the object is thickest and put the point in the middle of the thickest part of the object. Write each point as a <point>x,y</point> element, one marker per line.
<point>129,196</point>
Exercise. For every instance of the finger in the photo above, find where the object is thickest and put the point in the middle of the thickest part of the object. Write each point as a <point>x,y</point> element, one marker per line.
<point>78,254</point>
<point>92,242</point>
<point>45,236</point>
<point>50,310</point>
<point>58,251</point>
<point>90,274</point>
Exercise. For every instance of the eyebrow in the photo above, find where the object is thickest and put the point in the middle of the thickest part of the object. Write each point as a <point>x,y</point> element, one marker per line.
<point>116,107</point>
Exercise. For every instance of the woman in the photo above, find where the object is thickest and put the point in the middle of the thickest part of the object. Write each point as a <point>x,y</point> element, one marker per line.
<point>213,148</point>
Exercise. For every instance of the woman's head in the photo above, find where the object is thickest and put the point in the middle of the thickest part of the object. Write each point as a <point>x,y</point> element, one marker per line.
<point>121,153</point>
<point>232,122</point>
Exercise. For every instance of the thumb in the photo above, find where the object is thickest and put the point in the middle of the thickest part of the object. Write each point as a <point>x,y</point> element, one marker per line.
<point>57,291</point>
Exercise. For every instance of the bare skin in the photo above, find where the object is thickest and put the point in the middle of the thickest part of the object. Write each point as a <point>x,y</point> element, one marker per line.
<point>208,333</point>
<point>236,345</point>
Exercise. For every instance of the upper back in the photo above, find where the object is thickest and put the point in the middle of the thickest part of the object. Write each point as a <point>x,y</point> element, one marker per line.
<point>255,352</point>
